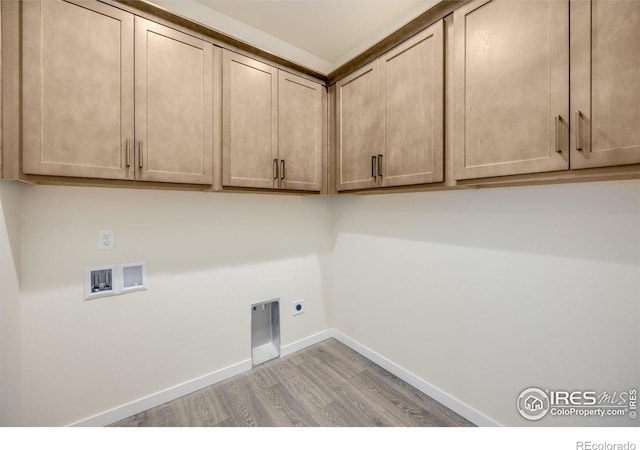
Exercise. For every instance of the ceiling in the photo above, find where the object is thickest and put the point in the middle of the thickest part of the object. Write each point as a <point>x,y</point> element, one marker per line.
<point>320,35</point>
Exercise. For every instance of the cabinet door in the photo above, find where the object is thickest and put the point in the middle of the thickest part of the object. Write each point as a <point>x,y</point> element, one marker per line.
<point>605,83</point>
<point>300,128</point>
<point>511,88</point>
<point>174,105</point>
<point>249,123</point>
<point>358,132</point>
<point>411,109</point>
<point>77,89</point>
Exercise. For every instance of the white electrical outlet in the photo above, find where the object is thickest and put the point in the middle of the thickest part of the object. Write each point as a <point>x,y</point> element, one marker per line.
<point>298,307</point>
<point>106,240</point>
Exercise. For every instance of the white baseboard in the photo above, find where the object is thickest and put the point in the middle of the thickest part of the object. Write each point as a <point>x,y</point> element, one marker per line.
<point>172,393</point>
<point>166,395</point>
<point>306,342</point>
<point>429,389</point>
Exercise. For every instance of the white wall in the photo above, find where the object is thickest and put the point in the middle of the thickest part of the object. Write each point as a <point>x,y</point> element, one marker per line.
<point>9,304</point>
<point>483,293</point>
<point>209,256</point>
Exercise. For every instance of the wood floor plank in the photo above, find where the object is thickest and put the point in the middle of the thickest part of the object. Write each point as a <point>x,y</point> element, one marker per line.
<point>355,358</point>
<point>336,414</point>
<point>167,415</point>
<point>283,408</point>
<point>138,420</point>
<point>435,408</point>
<point>225,424</point>
<point>330,359</point>
<point>241,404</point>
<point>322,377</point>
<point>303,356</point>
<point>449,417</point>
<point>352,402</point>
<point>355,409</point>
<point>297,382</point>
<point>203,408</point>
<point>264,376</point>
<point>327,384</point>
<point>304,386</point>
<point>328,417</point>
<point>395,403</point>
<point>405,387</point>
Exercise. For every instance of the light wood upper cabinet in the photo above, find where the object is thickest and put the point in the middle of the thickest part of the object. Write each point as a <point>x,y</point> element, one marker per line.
<point>511,88</point>
<point>79,104</point>
<point>174,105</point>
<point>249,122</point>
<point>412,110</point>
<point>78,90</point>
<point>358,133</point>
<point>301,111</point>
<point>605,83</point>
<point>93,91</point>
<point>272,127</point>
<point>390,117</point>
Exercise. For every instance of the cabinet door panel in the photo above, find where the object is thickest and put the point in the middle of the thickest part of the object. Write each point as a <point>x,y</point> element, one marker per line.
<point>512,80</point>
<point>358,128</point>
<point>605,83</point>
<point>174,105</point>
<point>411,109</point>
<point>300,132</point>
<point>249,122</point>
<point>77,89</point>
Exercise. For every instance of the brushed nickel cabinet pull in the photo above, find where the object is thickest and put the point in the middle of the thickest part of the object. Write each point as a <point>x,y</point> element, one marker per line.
<point>275,169</point>
<point>557,120</point>
<point>140,155</point>
<point>127,153</point>
<point>373,167</point>
<point>578,131</point>
<point>380,166</point>
<point>282,175</point>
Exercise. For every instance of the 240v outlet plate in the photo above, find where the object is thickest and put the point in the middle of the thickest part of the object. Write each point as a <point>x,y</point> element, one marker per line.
<point>298,307</point>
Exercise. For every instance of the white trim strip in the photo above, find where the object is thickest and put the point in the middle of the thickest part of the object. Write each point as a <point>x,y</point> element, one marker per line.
<point>429,389</point>
<point>306,342</point>
<point>172,393</point>
<point>166,395</point>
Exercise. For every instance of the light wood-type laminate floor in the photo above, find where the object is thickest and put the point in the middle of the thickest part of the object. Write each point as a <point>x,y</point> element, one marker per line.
<point>327,384</point>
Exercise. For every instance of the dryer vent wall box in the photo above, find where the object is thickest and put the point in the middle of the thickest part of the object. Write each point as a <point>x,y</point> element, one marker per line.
<point>102,281</point>
<point>265,331</point>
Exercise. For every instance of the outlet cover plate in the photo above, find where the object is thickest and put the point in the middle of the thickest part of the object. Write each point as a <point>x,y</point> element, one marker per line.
<point>106,240</point>
<point>298,307</point>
